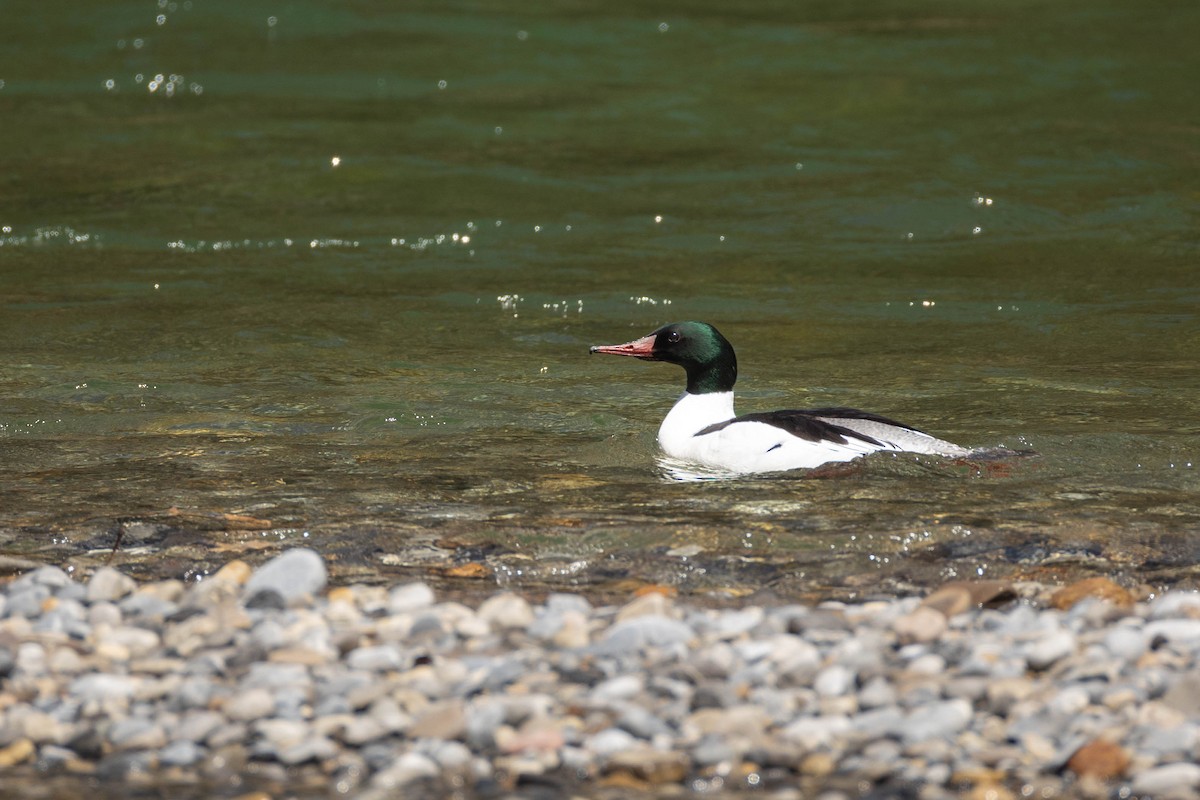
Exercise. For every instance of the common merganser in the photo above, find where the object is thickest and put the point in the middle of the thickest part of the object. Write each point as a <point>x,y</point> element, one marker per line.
<point>702,429</point>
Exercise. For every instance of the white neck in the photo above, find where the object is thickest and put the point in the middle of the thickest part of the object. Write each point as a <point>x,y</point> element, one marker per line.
<point>691,413</point>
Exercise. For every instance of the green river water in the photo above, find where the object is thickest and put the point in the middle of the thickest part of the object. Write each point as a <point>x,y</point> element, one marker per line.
<point>283,273</point>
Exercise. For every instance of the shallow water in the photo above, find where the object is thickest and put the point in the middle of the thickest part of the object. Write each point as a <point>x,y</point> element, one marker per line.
<point>280,274</point>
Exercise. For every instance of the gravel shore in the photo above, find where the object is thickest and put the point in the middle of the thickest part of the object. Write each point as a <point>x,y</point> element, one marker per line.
<point>267,679</point>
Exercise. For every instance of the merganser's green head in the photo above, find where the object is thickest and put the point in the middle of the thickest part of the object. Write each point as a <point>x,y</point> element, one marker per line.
<point>698,347</point>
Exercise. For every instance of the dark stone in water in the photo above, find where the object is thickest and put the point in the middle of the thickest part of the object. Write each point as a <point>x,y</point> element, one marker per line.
<point>266,599</point>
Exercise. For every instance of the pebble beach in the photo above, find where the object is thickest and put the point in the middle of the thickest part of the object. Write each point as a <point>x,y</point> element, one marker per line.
<point>267,682</point>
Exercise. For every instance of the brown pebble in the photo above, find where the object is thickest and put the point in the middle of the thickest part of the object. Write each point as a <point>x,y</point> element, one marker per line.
<point>923,624</point>
<point>1099,759</point>
<point>959,596</point>
<point>950,600</point>
<point>341,594</point>
<point>244,522</point>
<point>817,765</point>
<point>990,791</point>
<point>653,766</point>
<point>471,569</point>
<point>1099,587</point>
<point>19,751</point>
<point>236,571</point>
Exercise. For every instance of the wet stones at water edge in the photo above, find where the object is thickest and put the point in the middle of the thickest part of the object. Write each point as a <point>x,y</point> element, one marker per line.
<point>268,675</point>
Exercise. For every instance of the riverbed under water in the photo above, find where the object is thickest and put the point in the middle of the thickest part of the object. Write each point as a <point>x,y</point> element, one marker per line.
<point>283,274</point>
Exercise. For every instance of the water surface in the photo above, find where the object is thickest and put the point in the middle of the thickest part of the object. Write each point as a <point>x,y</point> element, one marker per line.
<point>281,273</point>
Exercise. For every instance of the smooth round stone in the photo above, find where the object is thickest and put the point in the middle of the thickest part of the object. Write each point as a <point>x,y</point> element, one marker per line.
<point>1045,651</point>
<point>712,749</point>
<point>561,602</point>
<point>1175,604</point>
<point>1184,632</point>
<point>794,660</point>
<point>27,600</point>
<point>813,733</point>
<point>408,768</point>
<point>180,753</point>
<point>833,681</point>
<point>103,688</point>
<point>136,733</point>
<point>453,757</point>
<point>506,611</point>
<point>293,575</point>
<point>147,606</point>
<point>443,720</point>
<point>928,664</point>
<point>715,661</point>
<point>358,731</point>
<point>640,632</point>
<point>1165,779</point>
<point>923,624</point>
<point>610,741</point>
<point>409,597</point>
<point>274,676</point>
<point>250,704</point>
<point>1070,701</point>
<point>387,712</point>
<point>485,718</point>
<point>937,720</point>
<point>103,613</point>
<point>876,692</point>
<point>574,632</point>
<point>378,658</point>
<point>50,576</point>
<point>622,687</point>
<point>1126,643</point>
<point>731,624</point>
<point>885,721</point>
<point>140,642</point>
<point>642,723</point>
<point>107,585</point>
<point>196,726</point>
<point>31,658</point>
<point>314,748</point>
<point>40,728</point>
<point>67,617</point>
<point>281,733</point>
<point>65,661</point>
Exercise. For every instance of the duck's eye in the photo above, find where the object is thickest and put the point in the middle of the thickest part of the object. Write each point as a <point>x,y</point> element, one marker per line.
<point>673,337</point>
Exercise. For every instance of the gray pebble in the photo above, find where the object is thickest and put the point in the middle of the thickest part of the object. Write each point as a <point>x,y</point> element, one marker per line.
<point>250,704</point>
<point>1184,632</point>
<point>610,741</point>
<point>409,597</point>
<point>1046,650</point>
<point>134,733</point>
<point>108,585</point>
<point>25,600</point>
<point>937,720</point>
<point>48,576</point>
<point>638,633</point>
<point>1166,779</point>
<point>292,575</point>
<point>506,611</point>
<point>378,658</point>
<point>407,769</point>
<point>833,681</point>
<point>180,753</point>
